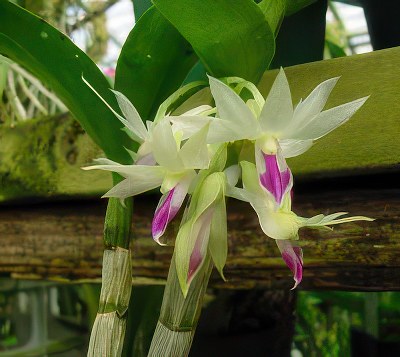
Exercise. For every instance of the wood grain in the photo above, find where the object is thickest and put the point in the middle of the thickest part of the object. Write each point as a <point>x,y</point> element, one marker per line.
<point>63,241</point>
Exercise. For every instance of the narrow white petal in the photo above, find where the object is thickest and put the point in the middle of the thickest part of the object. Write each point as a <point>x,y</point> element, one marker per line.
<point>104,161</point>
<point>120,117</point>
<point>277,111</point>
<point>292,148</point>
<point>198,110</point>
<point>164,146</point>
<point>133,186</point>
<point>136,172</point>
<point>231,108</point>
<point>194,153</point>
<point>133,120</point>
<point>314,103</point>
<point>328,120</point>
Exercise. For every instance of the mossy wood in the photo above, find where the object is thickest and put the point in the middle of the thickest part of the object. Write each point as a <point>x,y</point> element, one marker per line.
<point>64,242</point>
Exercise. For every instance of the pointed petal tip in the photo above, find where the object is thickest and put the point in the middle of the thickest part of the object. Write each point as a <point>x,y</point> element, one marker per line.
<point>221,273</point>
<point>156,238</point>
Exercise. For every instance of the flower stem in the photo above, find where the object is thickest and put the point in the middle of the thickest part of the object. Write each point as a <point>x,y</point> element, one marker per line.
<point>179,316</point>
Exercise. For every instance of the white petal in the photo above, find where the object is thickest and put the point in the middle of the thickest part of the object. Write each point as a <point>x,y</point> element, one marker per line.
<point>133,120</point>
<point>133,186</point>
<point>104,161</point>
<point>292,148</point>
<point>120,117</point>
<point>188,125</point>
<point>224,131</point>
<point>328,120</point>
<point>314,103</point>
<point>194,153</point>
<point>136,172</point>
<point>198,110</point>
<point>164,146</point>
<point>201,98</point>
<point>231,108</point>
<point>277,111</point>
<point>232,174</point>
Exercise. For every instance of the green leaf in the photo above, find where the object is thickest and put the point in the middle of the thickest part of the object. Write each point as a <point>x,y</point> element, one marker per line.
<point>140,7</point>
<point>231,38</point>
<point>274,12</point>
<point>367,142</point>
<point>154,61</point>
<point>301,38</point>
<point>294,6</point>
<point>56,61</point>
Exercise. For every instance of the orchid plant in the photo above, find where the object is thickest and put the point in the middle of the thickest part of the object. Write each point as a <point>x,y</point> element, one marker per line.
<point>185,150</point>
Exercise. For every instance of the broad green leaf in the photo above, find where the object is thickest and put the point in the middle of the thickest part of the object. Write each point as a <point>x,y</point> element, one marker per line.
<point>154,61</point>
<point>197,73</point>
<point>294,6</point>
<point>140,7</point>
<point>274,12</point>
<point>368,141</point>
<point>54,59</point>
<point>301,38</point>
<point>231,38</point>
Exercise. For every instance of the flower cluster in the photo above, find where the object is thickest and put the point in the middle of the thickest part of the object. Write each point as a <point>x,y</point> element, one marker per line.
<point>186,154</point>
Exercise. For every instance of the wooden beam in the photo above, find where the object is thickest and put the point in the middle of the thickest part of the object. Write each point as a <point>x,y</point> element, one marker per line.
<point>63,241</point>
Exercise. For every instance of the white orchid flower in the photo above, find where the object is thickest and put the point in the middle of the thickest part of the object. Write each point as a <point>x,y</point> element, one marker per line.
<point>278,130</point>
<point>174,173</point>
<point>282,224</point>
<point>158,145</point>
<point>140,132</point>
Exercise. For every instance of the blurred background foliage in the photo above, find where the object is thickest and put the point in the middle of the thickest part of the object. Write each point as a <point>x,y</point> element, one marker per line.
<point>38,318</point>
<point>41,318</point>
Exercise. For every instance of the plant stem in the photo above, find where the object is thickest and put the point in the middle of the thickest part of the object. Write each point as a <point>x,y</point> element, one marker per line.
<point>108,331</point>
<point>179,316</point>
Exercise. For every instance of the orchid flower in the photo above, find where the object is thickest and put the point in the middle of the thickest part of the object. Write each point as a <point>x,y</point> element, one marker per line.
<point>282,224</point>
<point>278,130</point>
<point>142,133</point>
<point>174,173</point>
<point>159,145</point>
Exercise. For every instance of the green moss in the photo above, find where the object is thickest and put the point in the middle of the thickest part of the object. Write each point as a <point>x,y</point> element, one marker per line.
<point>42,158</point>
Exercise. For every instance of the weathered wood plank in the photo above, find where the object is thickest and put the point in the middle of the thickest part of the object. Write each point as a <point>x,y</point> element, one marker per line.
<point>64,241</point>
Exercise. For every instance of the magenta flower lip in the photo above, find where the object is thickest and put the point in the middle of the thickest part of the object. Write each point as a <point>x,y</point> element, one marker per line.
<point>293,257</point>
<point>167,208</point>
<point>274,180</point>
